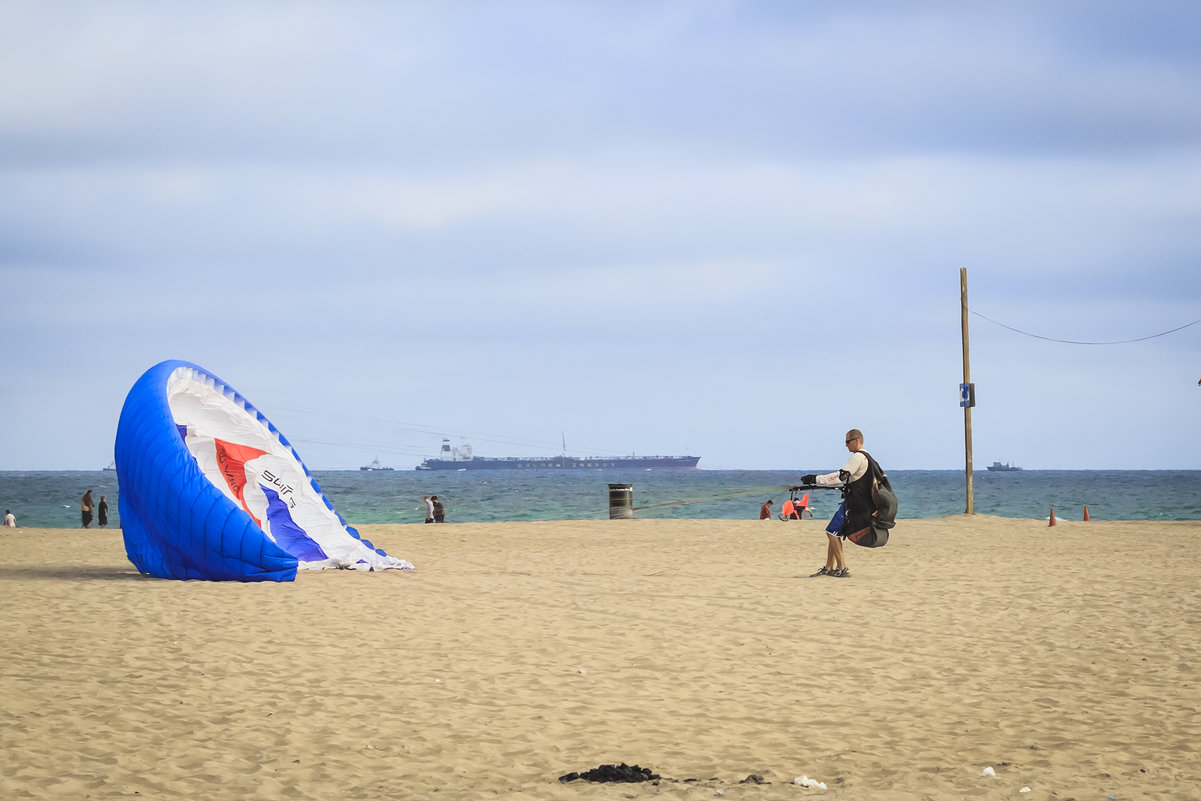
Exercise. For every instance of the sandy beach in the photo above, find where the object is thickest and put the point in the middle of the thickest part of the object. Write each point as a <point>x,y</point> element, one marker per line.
<point>1065,659</point>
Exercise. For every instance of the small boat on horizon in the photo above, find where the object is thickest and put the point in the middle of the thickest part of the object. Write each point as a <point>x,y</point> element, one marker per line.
<point>374,466</point>
<point>997,467</point>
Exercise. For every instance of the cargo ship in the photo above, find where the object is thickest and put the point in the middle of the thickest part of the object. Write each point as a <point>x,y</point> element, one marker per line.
<point>463,459</point>
<point>997,467</point>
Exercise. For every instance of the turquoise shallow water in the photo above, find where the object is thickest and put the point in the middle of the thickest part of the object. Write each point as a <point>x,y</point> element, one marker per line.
<point>51,499</point>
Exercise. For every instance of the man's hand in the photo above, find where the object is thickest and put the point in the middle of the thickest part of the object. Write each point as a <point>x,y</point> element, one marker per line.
<point>809,479</point>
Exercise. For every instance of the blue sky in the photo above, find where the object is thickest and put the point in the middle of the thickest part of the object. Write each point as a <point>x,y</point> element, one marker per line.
<point>726,229</point>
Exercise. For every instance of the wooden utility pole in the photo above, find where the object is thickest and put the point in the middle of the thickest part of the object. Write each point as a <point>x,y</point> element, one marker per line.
<point>967,392</point>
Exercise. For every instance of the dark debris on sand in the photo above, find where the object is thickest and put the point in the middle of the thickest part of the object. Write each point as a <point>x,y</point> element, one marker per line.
<point>634,773</point>
<point>612,773</point>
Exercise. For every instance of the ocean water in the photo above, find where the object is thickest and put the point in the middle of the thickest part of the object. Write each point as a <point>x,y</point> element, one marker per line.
<point>51,499</point>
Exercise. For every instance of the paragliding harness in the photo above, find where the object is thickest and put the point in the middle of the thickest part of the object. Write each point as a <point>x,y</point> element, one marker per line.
<point>875,534</point>
<point>883,500</point>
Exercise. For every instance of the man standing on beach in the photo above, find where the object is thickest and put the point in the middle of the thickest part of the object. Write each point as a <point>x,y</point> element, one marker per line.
<point>429,508</point>
<point>102,513</point>
<point>85,509</point>
<point>855,512</point>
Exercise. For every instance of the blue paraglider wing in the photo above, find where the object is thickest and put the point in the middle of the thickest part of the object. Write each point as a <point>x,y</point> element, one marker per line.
<point>209,489</point>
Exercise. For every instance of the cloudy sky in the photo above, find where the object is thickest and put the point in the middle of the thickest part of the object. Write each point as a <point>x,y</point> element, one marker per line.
<point>727,229</point>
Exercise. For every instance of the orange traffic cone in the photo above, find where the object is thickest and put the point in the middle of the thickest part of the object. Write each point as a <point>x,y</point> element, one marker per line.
<point>1086,512</point>
<point>1052,518</point>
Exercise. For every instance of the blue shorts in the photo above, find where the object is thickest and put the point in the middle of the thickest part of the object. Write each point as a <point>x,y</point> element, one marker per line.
<point>834,527</point>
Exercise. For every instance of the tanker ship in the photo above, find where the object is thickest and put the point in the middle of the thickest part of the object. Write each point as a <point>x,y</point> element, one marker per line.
<point>463,459</point>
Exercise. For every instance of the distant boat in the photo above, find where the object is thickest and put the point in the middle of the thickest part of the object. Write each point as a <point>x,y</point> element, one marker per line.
<point>374,466</point>
<point>464,459</point>
<point>997,467</point>
<point>111,466</point>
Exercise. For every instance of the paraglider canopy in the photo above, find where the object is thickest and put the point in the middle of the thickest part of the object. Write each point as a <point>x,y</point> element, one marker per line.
<point>209,489</point>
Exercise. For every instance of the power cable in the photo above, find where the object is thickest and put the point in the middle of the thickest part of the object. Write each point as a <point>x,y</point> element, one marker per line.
<point>1078,342</point>
<point>442,431</point>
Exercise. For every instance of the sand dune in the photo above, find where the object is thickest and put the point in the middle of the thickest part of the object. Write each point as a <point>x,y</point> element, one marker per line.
<point>1067,659</point>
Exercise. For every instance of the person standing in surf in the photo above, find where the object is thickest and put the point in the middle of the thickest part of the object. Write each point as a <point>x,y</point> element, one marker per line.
<point>85,509</point>
<point>855,512</point>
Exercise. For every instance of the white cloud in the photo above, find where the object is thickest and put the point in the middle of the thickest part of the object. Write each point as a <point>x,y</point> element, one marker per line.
<point>740,196</point>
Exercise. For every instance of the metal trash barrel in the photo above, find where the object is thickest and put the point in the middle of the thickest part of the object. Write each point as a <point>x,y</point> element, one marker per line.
<point>621,501</point>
